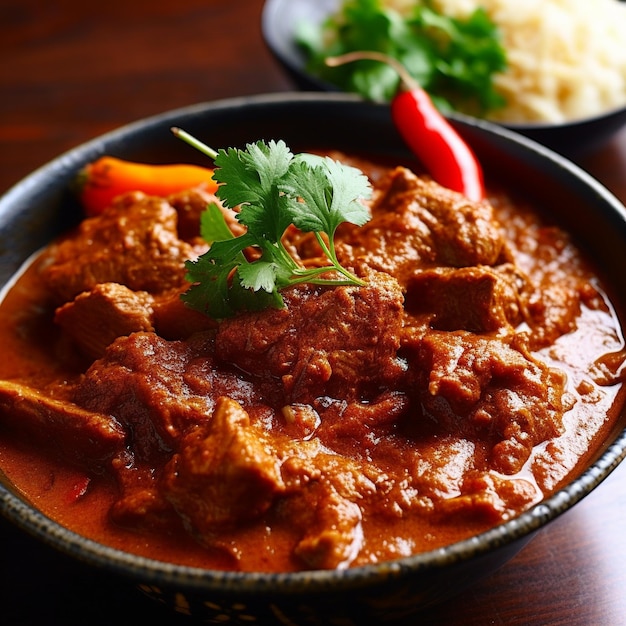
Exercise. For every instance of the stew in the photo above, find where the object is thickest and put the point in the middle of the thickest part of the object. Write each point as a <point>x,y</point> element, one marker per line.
<point>475,371</point>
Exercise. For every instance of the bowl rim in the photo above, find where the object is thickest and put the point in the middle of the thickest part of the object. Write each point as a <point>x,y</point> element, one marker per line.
<point>25,516</point>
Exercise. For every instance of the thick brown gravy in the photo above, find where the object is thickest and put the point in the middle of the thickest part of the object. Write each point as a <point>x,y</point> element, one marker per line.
<point>375,451</point>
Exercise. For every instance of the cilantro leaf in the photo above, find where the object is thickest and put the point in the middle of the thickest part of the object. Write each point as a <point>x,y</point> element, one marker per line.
<point>212,274</point>
<point>453,59</point>
<point>271,189</point>
<point>249,178</point>
<point>327,200</point>
<point>259,275</point>
<point>213,226</point>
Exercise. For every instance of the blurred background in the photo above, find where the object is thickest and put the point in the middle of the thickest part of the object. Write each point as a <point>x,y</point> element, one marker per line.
<point>72,70</point>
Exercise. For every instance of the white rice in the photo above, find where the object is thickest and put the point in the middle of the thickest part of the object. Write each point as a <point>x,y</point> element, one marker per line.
<point>566,58</point>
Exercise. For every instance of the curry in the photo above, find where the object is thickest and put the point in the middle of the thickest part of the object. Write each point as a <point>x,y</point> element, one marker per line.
<point>474,370</point>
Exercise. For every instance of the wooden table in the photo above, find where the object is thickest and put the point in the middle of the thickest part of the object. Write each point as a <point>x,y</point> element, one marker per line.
<point>71,70</point>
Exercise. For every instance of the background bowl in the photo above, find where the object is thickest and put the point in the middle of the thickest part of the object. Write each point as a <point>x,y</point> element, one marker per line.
<point>281,18</point>
<point>39,207</point>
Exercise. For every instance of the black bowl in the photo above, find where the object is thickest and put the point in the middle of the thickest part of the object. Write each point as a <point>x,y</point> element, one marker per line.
<point>279,22</point>
<point>39,207</point>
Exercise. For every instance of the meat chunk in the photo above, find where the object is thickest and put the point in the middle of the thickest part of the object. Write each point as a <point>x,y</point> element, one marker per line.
<point>224,472</point>
<point>417,223</point>
<point>173,319</point>
<point>94,319</point>
<point>140,504</point>
<point>487,496</point>
<point>228,472</point>
<point>492,392</point>
<point>79,434</point>
<point>134,243</point>
<point>333,534</point>
<point>159,389</point>
<point>191,204</point>
<point>343,337</point>
<point>324,494</point>
<point>479,299</point>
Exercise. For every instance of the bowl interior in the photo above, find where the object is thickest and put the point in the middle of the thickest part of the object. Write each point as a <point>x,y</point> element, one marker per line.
<point>38,208</point>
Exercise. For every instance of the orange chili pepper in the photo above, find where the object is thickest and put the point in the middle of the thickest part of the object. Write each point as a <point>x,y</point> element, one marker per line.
<point>108,177</point>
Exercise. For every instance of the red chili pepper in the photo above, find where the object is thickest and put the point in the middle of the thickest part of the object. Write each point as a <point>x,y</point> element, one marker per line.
<point>448,159</point>
<point>429,135</point>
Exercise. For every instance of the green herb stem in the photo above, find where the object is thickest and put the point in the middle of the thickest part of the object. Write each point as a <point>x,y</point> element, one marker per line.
<point>194,142</point>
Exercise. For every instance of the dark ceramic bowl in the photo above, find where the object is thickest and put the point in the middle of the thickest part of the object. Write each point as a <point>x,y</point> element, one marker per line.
<point>39,207</point>
<point>279,22</point>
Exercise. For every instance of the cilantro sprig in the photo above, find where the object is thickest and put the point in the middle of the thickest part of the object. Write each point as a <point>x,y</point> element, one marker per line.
<point>271,189</point>
<point>453,59</point>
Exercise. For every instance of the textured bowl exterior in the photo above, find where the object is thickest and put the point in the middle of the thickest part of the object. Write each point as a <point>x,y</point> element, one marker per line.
<point>40,207</point>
